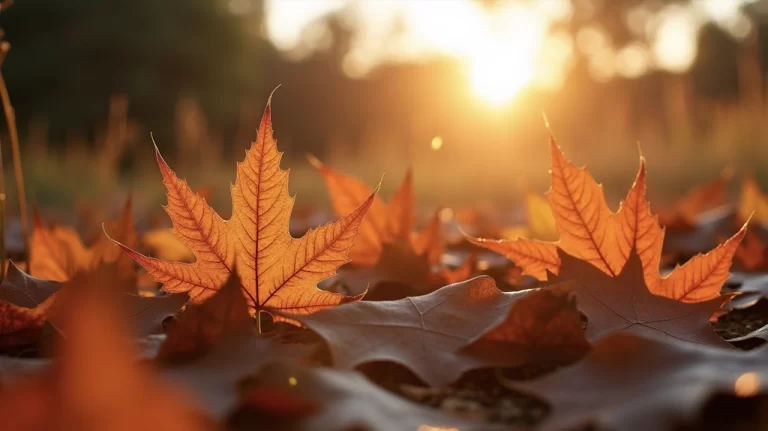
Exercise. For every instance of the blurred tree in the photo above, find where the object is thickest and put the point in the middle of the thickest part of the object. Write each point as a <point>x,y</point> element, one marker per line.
<point>69,57</point>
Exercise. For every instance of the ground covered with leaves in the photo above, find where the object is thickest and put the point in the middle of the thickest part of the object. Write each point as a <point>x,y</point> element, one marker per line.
<point>582,318</point>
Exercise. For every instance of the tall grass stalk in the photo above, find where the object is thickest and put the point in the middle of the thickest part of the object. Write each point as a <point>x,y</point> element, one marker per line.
<point>10,118</point>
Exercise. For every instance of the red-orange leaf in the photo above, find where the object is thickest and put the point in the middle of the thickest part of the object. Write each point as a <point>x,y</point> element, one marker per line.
<point>590,231</point>
<point>276,270</point>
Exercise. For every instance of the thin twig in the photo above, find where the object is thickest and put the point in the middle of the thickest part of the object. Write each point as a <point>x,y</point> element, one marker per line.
<point>10,118</point>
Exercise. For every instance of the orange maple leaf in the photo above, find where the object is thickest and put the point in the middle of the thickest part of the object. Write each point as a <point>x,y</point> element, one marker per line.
<point>277,270</point>
<point>752,202</point>
<point>593,233</point>
<point>386,223</point>
<point>57,253</point>
<point>685,212</point>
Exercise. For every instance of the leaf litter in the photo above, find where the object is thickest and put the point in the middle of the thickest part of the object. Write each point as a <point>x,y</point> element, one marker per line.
<point>605,342</point>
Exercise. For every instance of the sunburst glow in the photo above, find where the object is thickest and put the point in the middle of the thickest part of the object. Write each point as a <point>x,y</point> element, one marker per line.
<point>505,54</point>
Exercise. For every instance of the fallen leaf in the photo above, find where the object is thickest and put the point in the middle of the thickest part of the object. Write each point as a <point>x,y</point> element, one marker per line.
<point>422,333</point>
<point>752,202</point>
<point>346,400</point>
<point>385,224</point>
<point>631,382</point>
<point>543,326</point>
<point>200,327</point>
<point>96,383</point>
<point>21,325</point>
<point>541,223</point>
<point>375,229</point>
<point>276,270</point>
<point>540,217</point>
<point>57,253</point>
<point>21,289</point>
<point>591,232</point>
<point>389,252</point>
<point>215,377</point>
<point>752,254</point>
<point>751,288</point>
<point>165,245</point>
<point>33,300</point>
<point>623,302</point>
<point>685,212</point>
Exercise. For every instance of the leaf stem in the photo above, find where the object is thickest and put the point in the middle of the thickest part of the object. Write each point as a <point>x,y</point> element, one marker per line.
<point>10,118</point>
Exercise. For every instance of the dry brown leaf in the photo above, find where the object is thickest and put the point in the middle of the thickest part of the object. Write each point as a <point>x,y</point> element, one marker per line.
<point>543,326</point>
<point>344,400</point>
<point>623,302</point>
<point>96,383</point>
<point>200,327</point>
<point>422,333</point>
<point>276,270</point>
<point>635,383</point>
<point>591,232</point>
<point>33,301</point>
<point>215,377</point>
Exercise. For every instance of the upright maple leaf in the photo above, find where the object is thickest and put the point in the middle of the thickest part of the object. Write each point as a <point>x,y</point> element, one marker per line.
<point>276,270</point>
<point>592,232</point>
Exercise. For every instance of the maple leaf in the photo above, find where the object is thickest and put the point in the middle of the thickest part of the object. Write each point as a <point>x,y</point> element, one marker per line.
<point>32,301</point>
<point>541,224</point>
<point>57,253</point>
<point>632,382</point>
<point>624,302</point>
<point>592,232</point>
<point>96,384</point>
<point>216,377</point>
<point>385,224</point>
<point>457,328</point>
<point>389,252</point>
<point>212,347</point>
<point>24,305</point>
<point>345,400</point>
<point>200,327</point>
<point>276,270</point>
<point>422,333</point>
<point>685,212</point>
<point>543,326</point>
<point>752,202</point>
<point>752,254</point>
<point>23,290</point>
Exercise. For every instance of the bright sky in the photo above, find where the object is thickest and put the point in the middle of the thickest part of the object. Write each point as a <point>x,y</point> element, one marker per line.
<point>504,49</point>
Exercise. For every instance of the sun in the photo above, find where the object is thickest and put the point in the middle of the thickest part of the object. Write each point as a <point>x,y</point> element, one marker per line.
<point>504,57</point>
